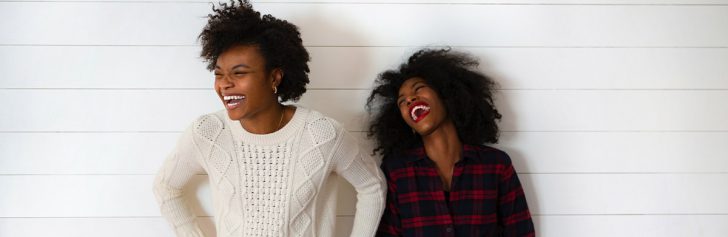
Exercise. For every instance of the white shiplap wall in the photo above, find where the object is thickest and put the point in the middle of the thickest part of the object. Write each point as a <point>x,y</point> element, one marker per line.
<point>614,111</point>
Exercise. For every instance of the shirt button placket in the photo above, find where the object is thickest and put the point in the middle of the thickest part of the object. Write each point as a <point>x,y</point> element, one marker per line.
<point>450,231</point>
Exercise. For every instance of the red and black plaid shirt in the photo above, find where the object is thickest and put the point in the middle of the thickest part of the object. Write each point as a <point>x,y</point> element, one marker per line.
<point>486,198</point>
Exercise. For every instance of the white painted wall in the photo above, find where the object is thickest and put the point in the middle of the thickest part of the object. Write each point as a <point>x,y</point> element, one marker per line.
<point>614,111</point>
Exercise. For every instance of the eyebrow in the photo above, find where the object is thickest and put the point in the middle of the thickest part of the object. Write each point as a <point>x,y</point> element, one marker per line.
<point>236,66</point>
<point>241,65</point>
<point>416,83</point>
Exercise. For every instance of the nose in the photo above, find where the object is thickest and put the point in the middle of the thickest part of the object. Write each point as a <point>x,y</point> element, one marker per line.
<point>411,99</point>
<point>225,82</point>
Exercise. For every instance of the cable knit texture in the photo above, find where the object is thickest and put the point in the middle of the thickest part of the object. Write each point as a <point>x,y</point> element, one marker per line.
<point>278,184</point>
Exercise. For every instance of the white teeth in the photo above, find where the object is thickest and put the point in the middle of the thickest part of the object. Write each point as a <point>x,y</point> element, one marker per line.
<point>233,97</point>
<point>412,112</point>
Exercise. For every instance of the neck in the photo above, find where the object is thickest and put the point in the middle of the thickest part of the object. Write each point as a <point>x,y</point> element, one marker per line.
<point>266,121</point>
<point>443,144</point>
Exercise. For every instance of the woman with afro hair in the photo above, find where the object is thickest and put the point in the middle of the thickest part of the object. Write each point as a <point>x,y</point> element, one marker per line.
<point>273,168</point>
<point>431,118</point>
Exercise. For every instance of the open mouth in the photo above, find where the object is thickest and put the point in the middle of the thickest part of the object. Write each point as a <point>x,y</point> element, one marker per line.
<point>232,101</point>
<point>418,111</point>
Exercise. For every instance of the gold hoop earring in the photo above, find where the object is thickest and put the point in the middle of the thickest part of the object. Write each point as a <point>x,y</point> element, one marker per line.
<point>275,90</point>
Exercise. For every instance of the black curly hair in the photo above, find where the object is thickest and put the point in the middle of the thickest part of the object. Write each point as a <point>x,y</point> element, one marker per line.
<point>466,93</point>
<point>278,41</point>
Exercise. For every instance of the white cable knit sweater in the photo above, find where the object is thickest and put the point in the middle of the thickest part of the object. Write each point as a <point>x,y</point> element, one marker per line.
<point>278,184</point>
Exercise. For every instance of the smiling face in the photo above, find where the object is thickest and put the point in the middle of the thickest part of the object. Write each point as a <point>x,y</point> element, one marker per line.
<point>243,83</point>
<point>420,106</point>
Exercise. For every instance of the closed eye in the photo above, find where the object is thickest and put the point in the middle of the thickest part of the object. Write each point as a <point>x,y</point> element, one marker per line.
<point>241,75</point>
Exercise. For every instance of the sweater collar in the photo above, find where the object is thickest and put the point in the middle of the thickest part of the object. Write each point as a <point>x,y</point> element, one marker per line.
<point>286,132</point>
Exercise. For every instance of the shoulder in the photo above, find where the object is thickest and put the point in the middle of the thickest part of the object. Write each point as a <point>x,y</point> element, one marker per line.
<point>402,159</point>
<point>321,127</point>
<point>391,162</point>
<point>209,126</point>
<point>487,154</point>
<point>317,120</point>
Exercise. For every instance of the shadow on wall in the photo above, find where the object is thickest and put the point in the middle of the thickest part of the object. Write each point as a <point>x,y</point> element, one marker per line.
<point>338,36</point>
<point>519,162</point>
<point>309,22</point>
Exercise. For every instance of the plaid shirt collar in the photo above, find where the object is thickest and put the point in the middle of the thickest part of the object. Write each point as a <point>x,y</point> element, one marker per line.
<point>418,154</point>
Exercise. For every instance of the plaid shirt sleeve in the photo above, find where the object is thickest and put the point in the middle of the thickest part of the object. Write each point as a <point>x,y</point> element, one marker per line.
<point>390,222</point>
<point>513,215</point>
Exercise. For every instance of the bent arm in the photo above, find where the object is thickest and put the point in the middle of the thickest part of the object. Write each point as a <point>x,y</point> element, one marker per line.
<point>179,167</point>
<point>362,172</point>
<point>514,217</point>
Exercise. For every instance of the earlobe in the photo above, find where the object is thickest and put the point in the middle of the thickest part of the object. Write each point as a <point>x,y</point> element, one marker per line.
<point>277,77</point>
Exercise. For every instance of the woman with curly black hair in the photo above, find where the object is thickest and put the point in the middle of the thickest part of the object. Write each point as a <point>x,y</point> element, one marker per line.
<point>271,166</point>
<point>431,119</point>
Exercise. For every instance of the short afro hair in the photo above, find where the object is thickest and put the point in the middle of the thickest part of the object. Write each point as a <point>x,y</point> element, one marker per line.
<point>278,41</point>
<point>466,93</point>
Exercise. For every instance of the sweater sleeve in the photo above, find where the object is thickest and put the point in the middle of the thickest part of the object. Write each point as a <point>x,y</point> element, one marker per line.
<point>362,172</point>
<point>513,215</point>
<point>180,166</point>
